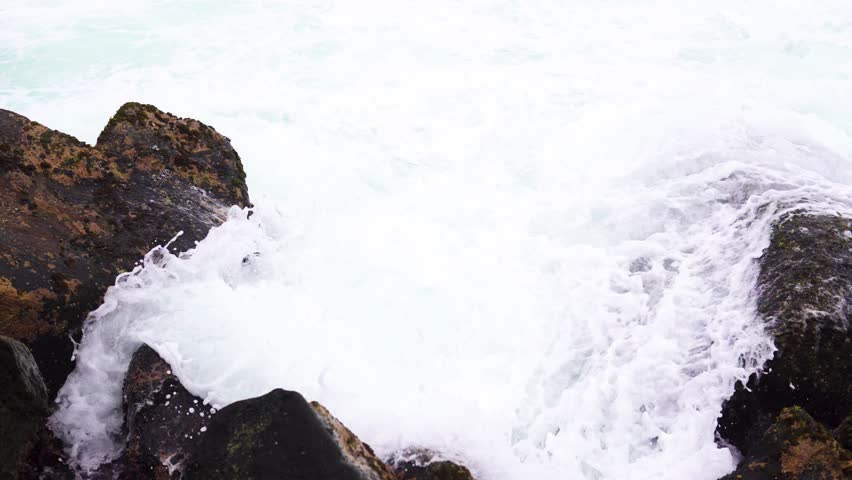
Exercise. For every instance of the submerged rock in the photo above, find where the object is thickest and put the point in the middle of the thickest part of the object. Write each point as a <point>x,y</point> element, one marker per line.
<point>280,435</point>
<point>423,465</point>
<point>163,420</point>
<point>795,448</point>
<point>73,216</point>
<point>23,407</point>
<point>805,295</point>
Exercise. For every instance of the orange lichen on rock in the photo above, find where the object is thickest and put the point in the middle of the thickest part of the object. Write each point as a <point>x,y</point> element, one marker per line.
<point>796,447</point>
<point>73,216</point>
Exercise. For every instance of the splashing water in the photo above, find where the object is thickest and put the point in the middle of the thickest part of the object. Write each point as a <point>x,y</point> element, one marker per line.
<point>519,234</point>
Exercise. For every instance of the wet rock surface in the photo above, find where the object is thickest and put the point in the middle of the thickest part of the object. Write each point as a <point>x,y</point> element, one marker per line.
<point>843,433</point>
<point>172,434</point>
<point>357,453</point>
<point>277,435</point>
<point>23,406</point>
<point>424,465</point>
<point>73,216</point>
<point>163,420</point>
<point>795,448</point>
<point>805,295</point>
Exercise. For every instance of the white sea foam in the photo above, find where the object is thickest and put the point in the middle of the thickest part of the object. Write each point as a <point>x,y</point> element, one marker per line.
<point>521,234</point>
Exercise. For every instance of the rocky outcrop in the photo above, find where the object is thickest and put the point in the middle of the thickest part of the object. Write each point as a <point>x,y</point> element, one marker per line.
<point>795,448</point>
<point>163,420</point>
<point>280,435</point>
<point>424,465</point>
<point>805,295</point>
<point>23,407</point>
<point>73,216</point>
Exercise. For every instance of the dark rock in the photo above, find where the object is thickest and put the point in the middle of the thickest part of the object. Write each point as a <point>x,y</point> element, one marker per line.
<point>23,407</point>
<point>278,435</point>
<point>73,216</point>
<point>422,465</point>
<point>795,448</point>
<point>843,433</point>
<point>805,295</point>
<point>142,137</point>
<point>356,452</point>
<point>163,420</point>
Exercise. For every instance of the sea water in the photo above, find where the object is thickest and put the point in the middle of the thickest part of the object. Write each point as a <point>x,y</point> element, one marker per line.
<point>520,234</point>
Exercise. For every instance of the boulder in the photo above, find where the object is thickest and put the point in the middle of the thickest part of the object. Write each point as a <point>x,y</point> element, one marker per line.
<point>281,435</point>
<point>804,293</point>
<point>163,420</point>
<point>165,425</point>
<point>419,464</point>
<point>795,447</point>
<point>843,433</point>
<point>23,407</point>
<point>73,216</point>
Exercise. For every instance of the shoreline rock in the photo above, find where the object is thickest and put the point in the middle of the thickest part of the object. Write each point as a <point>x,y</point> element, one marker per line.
<point>173,434</point>
<point>278,435</point>
<point>795,447</point>
<point>422,464</point>
<point>163,420</point>
<point>73,216</point>
<point>357,453</point>
<point>23,407</point>
<point>28,449</point>
<point>805,295</point>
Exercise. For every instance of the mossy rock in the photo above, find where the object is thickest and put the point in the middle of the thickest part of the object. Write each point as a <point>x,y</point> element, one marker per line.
<point>73,216</point>
<point>796,447</point>
<point>277,435</point>
<point>804,291</point>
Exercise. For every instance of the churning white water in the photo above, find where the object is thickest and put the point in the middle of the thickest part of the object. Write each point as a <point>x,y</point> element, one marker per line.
<point>519,233</point>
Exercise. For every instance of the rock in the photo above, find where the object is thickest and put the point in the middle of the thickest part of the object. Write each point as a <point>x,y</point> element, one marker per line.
<point>843,433</point>
<point>140,137</point>
<point>805,295</point>
<point>279,435</point>
<point>356,452</point>
<point>165,423</point>
<point>23,407</point>
<point>163,420</point>
<point>73,216</point>
<point>421,465</point>
<point>795,448</point>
